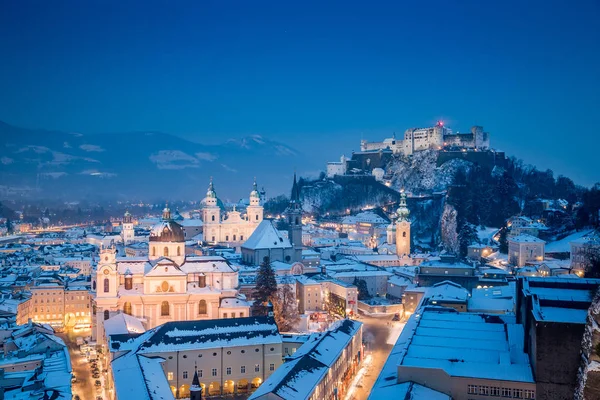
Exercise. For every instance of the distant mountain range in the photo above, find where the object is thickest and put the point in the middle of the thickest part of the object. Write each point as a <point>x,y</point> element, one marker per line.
<point>139,165</point>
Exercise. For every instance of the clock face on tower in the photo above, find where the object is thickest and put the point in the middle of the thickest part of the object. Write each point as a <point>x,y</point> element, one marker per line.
<point>106,272</point>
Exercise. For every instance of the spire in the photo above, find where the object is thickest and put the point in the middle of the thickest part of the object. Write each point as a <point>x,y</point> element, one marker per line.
<point>295,197</point>
<point>210,193</point>
<point>195,388</point>
<point>254,193</point>
<point>403,212</point>
<point>196,381</point>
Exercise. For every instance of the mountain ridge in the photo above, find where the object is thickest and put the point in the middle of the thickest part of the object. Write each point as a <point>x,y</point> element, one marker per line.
<point>42,163</point>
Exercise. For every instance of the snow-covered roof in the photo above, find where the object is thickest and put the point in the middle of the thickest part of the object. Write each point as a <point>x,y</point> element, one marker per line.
<point>303,371</point>
<point>407,390</point>
<point>448,291</point>
<point>525,239</point>
<point>139,377</point>
<point>265,236</point>
<point>497,299</point>
<point>465,345</point>
<point>123,324</point>
<point>203,334</point>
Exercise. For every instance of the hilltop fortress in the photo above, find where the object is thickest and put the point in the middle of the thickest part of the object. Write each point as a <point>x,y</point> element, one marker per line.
<point>374,157</point>
<point>436,137</point>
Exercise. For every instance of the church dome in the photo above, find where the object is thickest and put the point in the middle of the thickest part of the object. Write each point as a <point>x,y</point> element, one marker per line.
<point>167,230</point>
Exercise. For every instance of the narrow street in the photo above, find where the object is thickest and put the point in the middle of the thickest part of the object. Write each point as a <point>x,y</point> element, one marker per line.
<point>379,335</point>
<point>84,385</point>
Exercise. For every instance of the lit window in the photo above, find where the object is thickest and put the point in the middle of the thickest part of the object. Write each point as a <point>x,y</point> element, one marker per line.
<point>170,376</point>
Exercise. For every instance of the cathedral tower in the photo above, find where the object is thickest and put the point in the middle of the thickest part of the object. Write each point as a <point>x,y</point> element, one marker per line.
<point>403,228</point>
<point>255,210</point>
<point>127,232</point>
<point>211,215</point>
<point>294,219</point>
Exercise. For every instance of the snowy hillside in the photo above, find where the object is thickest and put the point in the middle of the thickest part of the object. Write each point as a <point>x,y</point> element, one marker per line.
<point>419,174</point>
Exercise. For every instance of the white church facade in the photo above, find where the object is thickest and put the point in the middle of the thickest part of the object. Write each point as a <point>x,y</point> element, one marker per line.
<point>167,285</point>
<point>233,227</point>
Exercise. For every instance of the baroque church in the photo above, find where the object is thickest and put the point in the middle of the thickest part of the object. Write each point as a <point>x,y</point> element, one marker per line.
<point>168,285</point>
<point>233,227</point>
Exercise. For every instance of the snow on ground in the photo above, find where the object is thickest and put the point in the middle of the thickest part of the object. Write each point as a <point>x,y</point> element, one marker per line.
<point>562,245</point>
<point>485,234</point>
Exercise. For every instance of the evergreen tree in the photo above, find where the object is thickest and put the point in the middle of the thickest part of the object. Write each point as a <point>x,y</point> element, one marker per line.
<point>467,235</point>
<point>285,308</point>
<point>9,227</point>
<point>363,292</point>
<point>592,261</point>
<point>266,286</point>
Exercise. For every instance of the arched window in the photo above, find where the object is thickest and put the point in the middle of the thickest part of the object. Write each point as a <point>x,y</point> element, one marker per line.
<point>212,218</point>
<point>94,285</point>
<point>127,308</point>
<point>106,315</point>
<point>106,285</point>
<point>256,217</point>
<point>128,283</point>
<point>153,251</point>
<point>202,307</point>
<point>297,221</point>
<point>178,251</point>
<point>403,234</point>
<point>164,309</point>
<point>234,237</point>
<point>166,251</point>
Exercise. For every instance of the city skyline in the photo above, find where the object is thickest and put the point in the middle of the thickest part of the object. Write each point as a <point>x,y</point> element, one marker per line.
<point>523,71</point>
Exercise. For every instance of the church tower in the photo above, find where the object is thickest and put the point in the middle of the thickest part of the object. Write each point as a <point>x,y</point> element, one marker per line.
<point>294,219</point>
<point>127,232</point>
<point>211,215</point>
<point>255,210</point>
<point>403,228</point>
<point>107,281</point>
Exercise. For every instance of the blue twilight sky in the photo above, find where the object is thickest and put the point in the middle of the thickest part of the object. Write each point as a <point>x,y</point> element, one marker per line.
<point>311,73</point>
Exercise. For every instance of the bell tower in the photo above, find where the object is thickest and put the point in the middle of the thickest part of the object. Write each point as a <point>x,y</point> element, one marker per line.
<point>294,219</point>
<point>403,228</point>
<point>107,281</point>
<point>211,215</point>
<point>127,232</point>
<point>254,210</point>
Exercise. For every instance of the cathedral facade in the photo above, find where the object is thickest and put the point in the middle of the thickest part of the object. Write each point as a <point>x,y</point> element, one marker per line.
<point>167,285</point>
<point>233,227</point>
